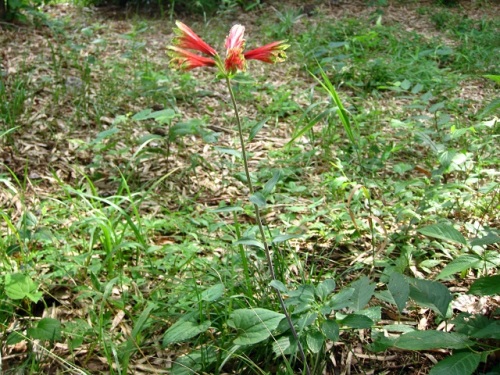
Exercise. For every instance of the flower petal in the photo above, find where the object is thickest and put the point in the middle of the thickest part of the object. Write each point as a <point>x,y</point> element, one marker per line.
<point>235,37</point>
<point>187,38</point>
<point>185,60</point>
<point>270,53</point>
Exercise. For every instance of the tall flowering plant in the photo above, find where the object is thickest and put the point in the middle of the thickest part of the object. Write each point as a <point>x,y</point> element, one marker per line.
<point>184,57</point>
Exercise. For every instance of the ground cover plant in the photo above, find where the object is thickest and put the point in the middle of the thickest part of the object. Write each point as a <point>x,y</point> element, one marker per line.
<point>130,234</point>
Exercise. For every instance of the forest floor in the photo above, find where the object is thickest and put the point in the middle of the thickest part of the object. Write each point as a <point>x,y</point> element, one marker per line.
<point>122,193</point>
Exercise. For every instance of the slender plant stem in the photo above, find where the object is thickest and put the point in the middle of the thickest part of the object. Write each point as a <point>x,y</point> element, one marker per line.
<point>261,227</point>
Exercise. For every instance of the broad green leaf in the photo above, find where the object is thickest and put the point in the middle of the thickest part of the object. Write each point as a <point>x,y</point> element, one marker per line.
<point>315,341</point>
<point>258,199</point>
<point>402,328</point>
<point>427,340</point>
<point>380,342</point>
<point>459,264</point>
<point>301,298</point>
<point>486,286</point>
<point>363,292</point>
<point>213,293</point>
<point>253,325</point>
<point>431,293</point>
<point>19,286</point>
<point>194,362</point>
<point>489,239</point>
<point>47,329</point>
<point>374,313</point>
<point>269,186</point>
<point>306,319</point>
<point>477,326</point>
<point>303,293</point>
<point>325,288</point>
<point>457,364</point>
<point>357,321</point>
<point>182,129</point>
<point>142,115</point>
<point>331,330</point>
<point>284,345</point>
<point>443,232</point>
<point>341,299</point>
<point>247,241</point>
<point>278,285</point>
<point>14,338</point>
<point>184,329</point>
<point>491,331</point>
<point>400,290</point>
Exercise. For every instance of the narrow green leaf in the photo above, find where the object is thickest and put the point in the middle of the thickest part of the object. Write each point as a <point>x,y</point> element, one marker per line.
<point>269,186</point>
<point>443,232</point>
<point>493,77</point>
<point>228,209</point>
<point>246,241</point>
<point>284,237</point>
<point>256,128</point>
<point>229,151</point>
<point>400,290</point>
<point>457,364</point>
<point>427,340</point>
<point>142,319</point>
<point>253,325</point>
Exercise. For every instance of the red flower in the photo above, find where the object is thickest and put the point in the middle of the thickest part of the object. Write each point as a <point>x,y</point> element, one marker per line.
<point>185,60</point>
<point>187,38</point>
<point>234,50</point>
<point>235,57</point>
<point>270,53</point>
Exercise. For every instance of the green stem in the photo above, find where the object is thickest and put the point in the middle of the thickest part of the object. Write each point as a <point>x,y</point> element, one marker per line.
<point>261,226</point>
